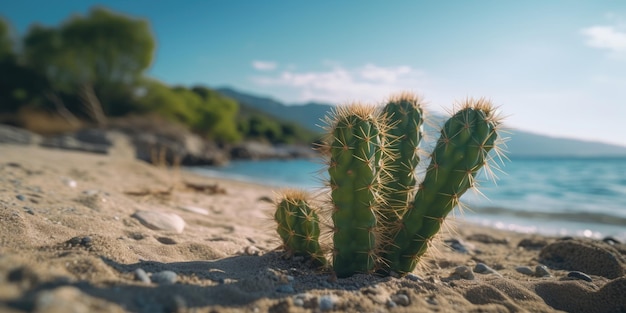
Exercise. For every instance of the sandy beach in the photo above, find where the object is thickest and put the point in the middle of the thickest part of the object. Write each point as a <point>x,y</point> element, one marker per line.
<point>84,232</point>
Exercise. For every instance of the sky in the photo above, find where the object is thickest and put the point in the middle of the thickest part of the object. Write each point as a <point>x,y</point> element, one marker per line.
<point>553,67</point>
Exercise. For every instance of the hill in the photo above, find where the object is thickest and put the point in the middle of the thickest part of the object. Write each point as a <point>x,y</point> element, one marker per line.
<point>520,143</point>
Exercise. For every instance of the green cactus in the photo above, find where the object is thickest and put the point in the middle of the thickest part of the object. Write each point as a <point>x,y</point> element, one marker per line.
<point>379,222</point>
<point>462,149</point>
<point>403,116</point>
<point>352,148</point>
<point>298,226</point>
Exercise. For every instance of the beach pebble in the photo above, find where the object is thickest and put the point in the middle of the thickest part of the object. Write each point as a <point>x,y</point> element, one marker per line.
<point>61,299</point>
<point>542,271</point>
<point>298,302</point>
<point>464,272</point>
<point>142,276</point>
<point>579,275</point>
<point>29,210</point>
<point>610,240</point>
<point>401,299</point>
<point>164,278</point>
<point>482,268</point>
<point>532,243</point>
<point>21,197</point>
<point>194,209</point>
<point>252,250</point>
<point>285,289</point>
<point>160,221</point>
<point>327,303</point>
<point>525,270</point>
<point>459,245</point>
<point>413,277</point>
<point>69,182</point>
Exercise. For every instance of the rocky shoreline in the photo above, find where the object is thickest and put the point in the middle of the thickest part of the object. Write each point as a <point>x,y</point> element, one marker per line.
<point>155,146</point>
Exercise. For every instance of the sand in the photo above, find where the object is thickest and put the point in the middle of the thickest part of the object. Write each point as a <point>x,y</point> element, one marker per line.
<point>70,241</point>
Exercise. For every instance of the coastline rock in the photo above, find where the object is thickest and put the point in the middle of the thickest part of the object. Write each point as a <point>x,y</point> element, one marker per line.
<point>260,151</point>
<point>14,135</point>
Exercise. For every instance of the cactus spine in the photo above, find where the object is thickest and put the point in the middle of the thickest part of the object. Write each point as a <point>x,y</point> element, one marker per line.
<point>379,222</point>
<point>298,226</point>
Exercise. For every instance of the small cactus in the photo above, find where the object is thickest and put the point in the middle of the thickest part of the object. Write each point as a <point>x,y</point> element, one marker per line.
<point>382,219</point>
<point>298,226</point>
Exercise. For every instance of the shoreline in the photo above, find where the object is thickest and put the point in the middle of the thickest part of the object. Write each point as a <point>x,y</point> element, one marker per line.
<point>559,224</point>
<point>77,235</point>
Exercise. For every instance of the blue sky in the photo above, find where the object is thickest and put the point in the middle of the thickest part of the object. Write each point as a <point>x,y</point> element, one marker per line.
<point>554,67</point>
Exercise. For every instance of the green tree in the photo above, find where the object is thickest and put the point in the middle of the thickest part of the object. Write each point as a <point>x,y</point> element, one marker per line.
<point>18,84</point>
<point>218,115</point>
<point>98,58</point>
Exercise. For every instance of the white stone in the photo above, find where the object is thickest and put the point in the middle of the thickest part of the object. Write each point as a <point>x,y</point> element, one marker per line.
<point>161,220</point>
<point>194,209</point>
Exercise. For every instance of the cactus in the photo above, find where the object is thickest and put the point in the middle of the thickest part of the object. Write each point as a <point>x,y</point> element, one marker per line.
<point>352,149</point>
<point>298,226</point>
<point>379,222</point>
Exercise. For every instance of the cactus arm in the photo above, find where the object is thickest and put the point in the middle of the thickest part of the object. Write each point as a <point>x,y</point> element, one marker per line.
<point>462,149</point>
<point>403,116</point>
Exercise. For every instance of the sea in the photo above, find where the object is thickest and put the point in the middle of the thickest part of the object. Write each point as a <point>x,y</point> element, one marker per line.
<point>564,196</point>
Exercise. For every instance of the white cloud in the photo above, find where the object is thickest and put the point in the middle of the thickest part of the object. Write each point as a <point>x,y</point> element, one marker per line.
<point>264,65</point>
<point>370,82</point>
<point>605,37</point>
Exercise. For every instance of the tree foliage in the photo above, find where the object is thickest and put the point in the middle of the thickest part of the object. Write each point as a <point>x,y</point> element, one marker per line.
<point>93,66</point>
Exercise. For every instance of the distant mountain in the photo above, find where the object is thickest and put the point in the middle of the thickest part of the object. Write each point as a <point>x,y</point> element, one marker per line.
<point>520,143</point>
<point>308,115</point>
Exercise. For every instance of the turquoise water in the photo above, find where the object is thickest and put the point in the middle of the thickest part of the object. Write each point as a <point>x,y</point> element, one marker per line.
<point>553,196</point>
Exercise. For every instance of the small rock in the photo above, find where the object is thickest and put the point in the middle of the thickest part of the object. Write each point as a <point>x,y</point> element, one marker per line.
<point>484,269</point>
<point>579,275</point>
<point>464,272</point>
<point>459,245</point>
<point>432,300</point>
<point>327,303</point>
<point>166,240</point>
<point>298,302</point>
<point>29,210</point>
<point>525,270</point>
<point>70,182</point>
<point>401,299</point>
<point>164,278</point>
<point>194,209</point>
<point>142,276</point>
<point>542,271</point>
<point>160,221</point>
<point>610,240</point>
<point>285,289</point>
<point>61,299</point>
<point>413,277</point>
<point>532,243</point>
<point>252,250</point>
<point>86,241</point>
<point>21,197</point>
